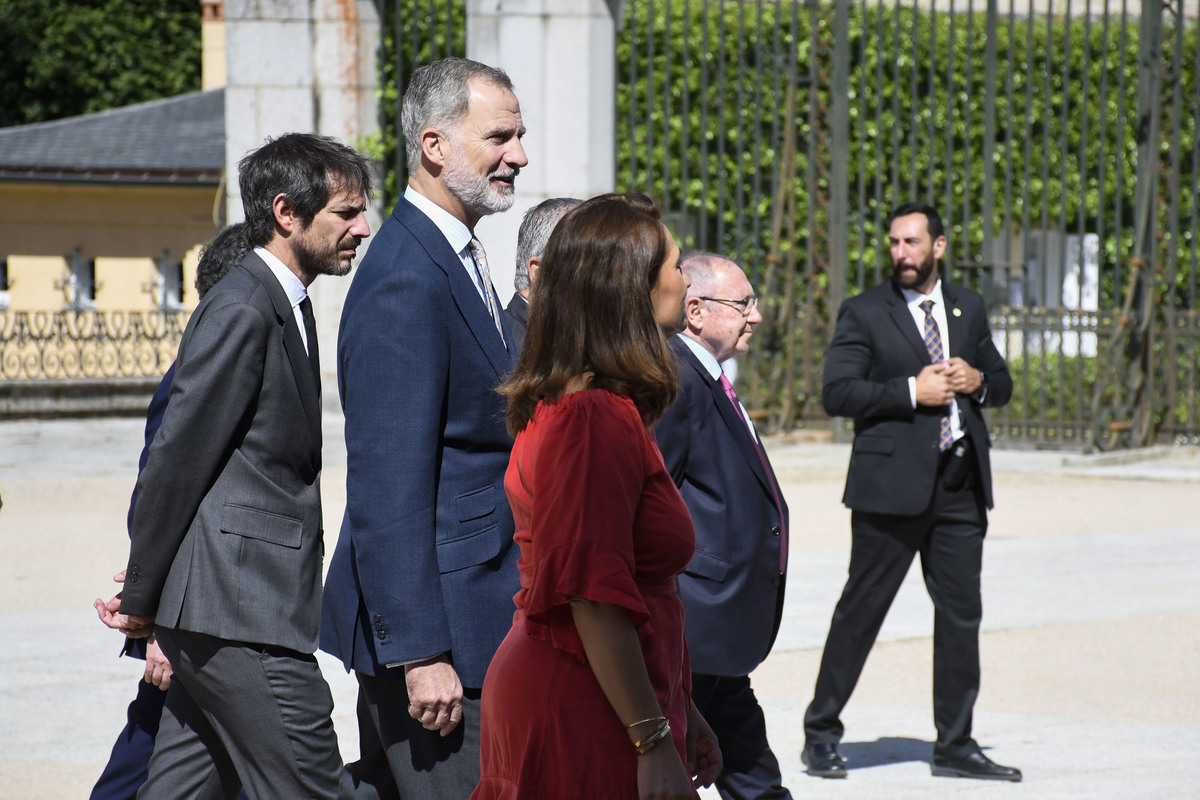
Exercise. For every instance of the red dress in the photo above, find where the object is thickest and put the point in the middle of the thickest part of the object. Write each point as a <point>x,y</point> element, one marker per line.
<point>597,516</point>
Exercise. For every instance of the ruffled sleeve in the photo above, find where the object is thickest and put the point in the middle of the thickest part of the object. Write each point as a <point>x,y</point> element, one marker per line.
<point>588,482</point>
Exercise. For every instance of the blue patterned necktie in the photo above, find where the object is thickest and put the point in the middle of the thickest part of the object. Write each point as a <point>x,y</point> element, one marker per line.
<point>933,343</point>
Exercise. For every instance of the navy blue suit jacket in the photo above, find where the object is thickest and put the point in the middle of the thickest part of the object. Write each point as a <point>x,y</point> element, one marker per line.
<point>876,348</point>
<point>732,591</point>
<point>425,563</point>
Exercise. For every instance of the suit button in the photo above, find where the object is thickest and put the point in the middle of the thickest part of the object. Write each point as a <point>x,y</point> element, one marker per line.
<point>134,573</point>
<point>380,633</point>
<point>378,618</point>
<point>775,530</point>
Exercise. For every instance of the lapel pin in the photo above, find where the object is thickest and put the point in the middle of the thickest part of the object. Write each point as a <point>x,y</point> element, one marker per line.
<point>958,312</point>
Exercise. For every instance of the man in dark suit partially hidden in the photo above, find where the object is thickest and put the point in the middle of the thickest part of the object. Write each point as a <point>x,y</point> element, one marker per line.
<point>733,590</point>
<point>126,769</point>
<point>536,227</point>
<point>419,591</point>
<point>226,539</point>
<point>913,362</point>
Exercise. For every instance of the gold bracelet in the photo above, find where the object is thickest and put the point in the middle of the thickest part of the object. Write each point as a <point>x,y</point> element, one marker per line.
<point>633,725</point>
<point>661,732</point>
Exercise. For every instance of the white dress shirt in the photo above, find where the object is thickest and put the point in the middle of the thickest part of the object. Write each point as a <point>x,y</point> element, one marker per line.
<point>710,363</point>
<point>914,300</point>
<point>457,234</point>
<point>293,287</point>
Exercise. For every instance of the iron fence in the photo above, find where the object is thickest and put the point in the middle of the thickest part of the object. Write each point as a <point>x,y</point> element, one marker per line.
<point>36,345</point>
<point>1058,138</point>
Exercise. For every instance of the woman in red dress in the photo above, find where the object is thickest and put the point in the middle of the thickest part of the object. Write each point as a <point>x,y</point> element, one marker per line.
<point>587,696</point>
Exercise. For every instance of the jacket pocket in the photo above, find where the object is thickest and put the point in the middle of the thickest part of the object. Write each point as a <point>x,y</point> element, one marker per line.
<point>469,551</point>
<point>254,523</point>
<point>476,504</point>
<point>706,565</point>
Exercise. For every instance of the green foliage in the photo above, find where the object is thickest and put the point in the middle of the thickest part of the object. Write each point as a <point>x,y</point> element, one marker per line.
<point>62,58</point>
<point>426,32</point>
<point>1047,138</point>
<point>702,92</point>
<point>1050,386</point>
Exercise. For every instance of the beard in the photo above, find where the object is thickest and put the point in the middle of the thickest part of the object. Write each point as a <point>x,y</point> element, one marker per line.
<point>315,257</point>
<point>924,270</point>
<point>476,191</point>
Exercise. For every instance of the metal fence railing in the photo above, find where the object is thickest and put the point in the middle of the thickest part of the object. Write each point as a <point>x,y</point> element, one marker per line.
<point>1059,140</point>
<point>39,345</point>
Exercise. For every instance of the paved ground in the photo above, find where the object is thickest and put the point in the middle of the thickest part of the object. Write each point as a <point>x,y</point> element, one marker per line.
<point>1090,647</point>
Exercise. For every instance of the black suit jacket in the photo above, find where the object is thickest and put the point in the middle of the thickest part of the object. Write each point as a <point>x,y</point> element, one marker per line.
<point>518,318</point>
<point>876,348</point>
<point>732,591</point>
<point>227,537</point>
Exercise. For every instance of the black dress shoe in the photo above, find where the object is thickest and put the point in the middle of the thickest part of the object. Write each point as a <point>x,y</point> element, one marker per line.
<point>823,760</point>
<point>973,765</point>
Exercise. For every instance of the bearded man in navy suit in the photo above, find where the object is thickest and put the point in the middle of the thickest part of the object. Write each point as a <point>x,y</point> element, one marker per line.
<point>419,591</point>
<point>733,589</point>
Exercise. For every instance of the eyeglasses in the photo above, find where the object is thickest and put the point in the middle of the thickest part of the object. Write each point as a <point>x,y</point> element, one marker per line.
<point>744,306</point>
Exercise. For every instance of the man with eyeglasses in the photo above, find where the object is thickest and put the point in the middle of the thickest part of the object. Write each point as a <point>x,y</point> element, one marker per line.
<point>733,589</point>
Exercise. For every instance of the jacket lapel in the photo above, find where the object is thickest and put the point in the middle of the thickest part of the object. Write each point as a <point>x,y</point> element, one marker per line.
<point>293,345</point>
<point>955,323</point>
<point>729,415</point>
<point>903,319</point>
<point>466,297</point>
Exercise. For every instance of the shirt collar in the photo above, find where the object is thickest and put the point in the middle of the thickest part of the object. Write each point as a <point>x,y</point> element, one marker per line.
<point>292,286</point>
<point>456,233</point>
<point>915,298</point>
<point>707,359</point>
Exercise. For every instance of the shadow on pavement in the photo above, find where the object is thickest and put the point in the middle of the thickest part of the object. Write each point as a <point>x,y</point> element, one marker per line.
<point>884,751</point>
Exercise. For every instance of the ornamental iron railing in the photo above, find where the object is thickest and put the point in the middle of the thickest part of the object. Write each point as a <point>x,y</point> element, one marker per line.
<point>38,345</point>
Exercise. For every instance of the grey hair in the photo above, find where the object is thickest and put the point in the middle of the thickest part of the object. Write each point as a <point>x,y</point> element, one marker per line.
<point>702,268</point>
<point>437,97</point>
<point>535,230</point>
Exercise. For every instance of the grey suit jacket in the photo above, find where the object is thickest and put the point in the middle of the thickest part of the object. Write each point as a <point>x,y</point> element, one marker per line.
<point>226,538</point>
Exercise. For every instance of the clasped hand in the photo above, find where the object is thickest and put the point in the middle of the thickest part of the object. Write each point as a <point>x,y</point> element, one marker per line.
<point>937,384</point>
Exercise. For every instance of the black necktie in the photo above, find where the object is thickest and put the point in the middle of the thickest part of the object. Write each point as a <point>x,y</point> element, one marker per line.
<point>310,332</point>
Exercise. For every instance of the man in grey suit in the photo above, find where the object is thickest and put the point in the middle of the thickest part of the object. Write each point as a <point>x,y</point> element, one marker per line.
<point>226,538</point>
<point>536,226</point>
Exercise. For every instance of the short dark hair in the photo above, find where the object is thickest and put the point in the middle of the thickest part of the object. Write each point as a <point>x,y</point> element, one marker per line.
<point>932,220</point>
<point>220,255</point>
<point>591,311</point>
<point>309,169</point>
<point>437,97</point>
<point>536,226</point>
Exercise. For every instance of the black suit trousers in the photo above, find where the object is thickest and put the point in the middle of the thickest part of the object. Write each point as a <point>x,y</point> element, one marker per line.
<point>949,538</point>
<point>751,771</point>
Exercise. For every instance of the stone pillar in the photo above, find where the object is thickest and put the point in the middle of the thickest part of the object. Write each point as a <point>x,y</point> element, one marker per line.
<point>560,55</point>
<point>301,66</point>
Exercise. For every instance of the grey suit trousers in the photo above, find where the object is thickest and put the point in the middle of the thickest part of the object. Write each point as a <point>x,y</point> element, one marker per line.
<point>259,718</point>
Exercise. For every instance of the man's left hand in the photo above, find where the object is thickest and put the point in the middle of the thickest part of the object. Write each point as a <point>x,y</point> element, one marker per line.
<point>964,378</point>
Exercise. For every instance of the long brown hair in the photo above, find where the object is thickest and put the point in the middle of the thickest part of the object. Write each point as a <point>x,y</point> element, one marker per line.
<point>590,311</point>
